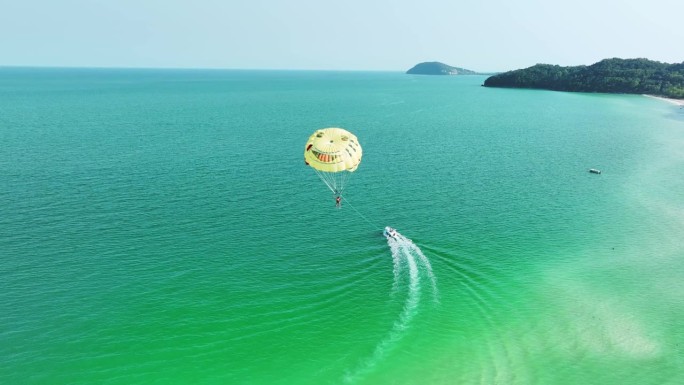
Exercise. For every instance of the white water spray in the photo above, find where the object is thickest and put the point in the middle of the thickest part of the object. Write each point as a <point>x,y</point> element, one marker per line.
<point>405,254</point>
<point>402,249</point>
<point>396,262</point>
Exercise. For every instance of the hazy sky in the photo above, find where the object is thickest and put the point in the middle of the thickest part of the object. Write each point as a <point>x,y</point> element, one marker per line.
<point>482,35</point>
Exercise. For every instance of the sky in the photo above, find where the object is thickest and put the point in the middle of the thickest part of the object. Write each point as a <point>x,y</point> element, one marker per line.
<point>374,35</point>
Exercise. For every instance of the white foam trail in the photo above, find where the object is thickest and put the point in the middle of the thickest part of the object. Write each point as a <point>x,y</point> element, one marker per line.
<point>404,254</point>
<point>413,249</point>
<point>396,262</point>
<point>400,253</point>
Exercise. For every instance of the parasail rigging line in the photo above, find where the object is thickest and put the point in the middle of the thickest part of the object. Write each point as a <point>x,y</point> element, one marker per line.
<point>336,183</point>
<point>330,182</point>
<point>375,226</point>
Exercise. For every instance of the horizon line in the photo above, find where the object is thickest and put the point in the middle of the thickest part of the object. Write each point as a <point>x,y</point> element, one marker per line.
<point>212,68</point>
<point>190,68</point>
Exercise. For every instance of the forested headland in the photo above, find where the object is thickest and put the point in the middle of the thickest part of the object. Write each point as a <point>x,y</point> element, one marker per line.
<point>627,76</point>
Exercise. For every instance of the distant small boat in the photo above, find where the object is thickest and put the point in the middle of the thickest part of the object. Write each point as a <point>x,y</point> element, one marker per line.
<point>594,171</point>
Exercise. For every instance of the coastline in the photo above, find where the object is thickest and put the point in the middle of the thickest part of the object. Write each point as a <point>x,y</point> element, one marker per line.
<point>679,102</point>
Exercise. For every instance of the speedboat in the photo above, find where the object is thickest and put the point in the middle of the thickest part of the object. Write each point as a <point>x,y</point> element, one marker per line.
<point>389,232</point>
<point>594,171</point>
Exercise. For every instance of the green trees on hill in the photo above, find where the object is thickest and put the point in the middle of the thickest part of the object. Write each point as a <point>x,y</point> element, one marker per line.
<point>630,76</point>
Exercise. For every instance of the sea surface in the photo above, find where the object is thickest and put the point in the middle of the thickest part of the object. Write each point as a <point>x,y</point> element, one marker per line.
<point>161,227</point>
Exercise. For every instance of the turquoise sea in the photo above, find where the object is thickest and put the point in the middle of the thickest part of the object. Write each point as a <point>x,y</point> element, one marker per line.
<point>161,227</point>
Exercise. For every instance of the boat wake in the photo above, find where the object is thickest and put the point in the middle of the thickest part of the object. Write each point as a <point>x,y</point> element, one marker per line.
<point>405,256</point>
<point>405,252</point>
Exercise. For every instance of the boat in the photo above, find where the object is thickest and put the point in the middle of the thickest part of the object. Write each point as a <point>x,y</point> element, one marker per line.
<point>389,232</point>
<point>594,171</point>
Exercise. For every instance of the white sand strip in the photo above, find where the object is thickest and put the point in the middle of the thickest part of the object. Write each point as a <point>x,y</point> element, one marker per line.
<point>679,102</point>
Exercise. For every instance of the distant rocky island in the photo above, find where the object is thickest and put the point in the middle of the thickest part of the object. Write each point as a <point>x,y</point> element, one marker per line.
<point>437,68</point>
<point>625,76</point>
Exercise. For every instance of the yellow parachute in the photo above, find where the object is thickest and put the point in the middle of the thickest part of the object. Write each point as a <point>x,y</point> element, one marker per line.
<point>334,153</point>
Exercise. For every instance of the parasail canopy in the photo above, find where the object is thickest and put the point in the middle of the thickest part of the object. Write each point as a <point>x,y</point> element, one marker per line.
<point>333,153</point>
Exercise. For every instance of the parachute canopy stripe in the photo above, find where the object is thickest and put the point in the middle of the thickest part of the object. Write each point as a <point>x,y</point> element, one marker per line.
<point>333,150</point>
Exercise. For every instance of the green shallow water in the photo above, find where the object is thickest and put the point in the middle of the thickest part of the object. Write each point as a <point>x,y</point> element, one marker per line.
<point>160,227</point>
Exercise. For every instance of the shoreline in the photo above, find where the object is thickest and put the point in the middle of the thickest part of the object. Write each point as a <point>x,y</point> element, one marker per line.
<point>678,102</point>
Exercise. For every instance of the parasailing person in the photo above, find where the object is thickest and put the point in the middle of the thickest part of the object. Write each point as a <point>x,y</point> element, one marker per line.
<point>333,153</point>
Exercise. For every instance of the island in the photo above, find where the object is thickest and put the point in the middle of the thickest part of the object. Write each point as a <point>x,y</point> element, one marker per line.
<point>625,76</point>
<point>437,68</point>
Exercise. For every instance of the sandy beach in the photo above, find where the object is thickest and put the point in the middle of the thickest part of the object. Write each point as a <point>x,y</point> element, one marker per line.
<point>679,102</point>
